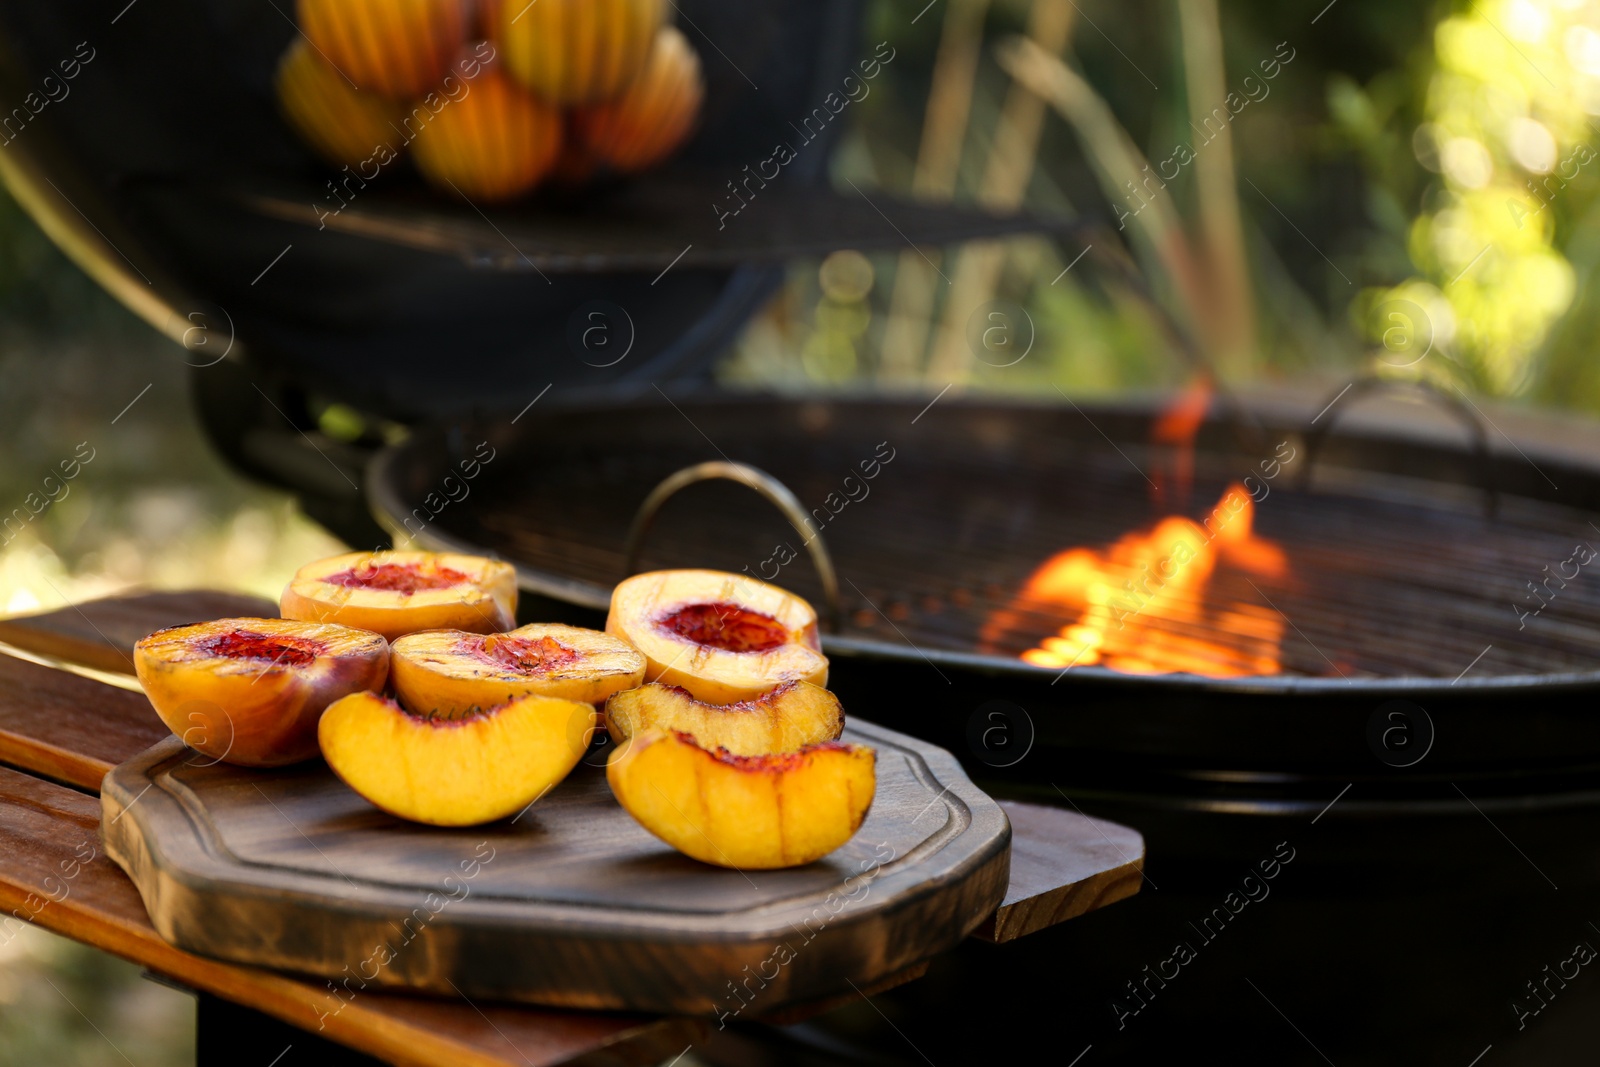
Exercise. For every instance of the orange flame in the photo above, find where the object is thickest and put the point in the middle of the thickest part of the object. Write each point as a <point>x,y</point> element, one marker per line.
<point>1176,428</point>
<point>1141,605</point>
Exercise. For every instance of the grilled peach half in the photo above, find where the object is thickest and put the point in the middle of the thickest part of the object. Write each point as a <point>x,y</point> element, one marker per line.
<point>250,691</point>
<point>346,126</point>
<point>790,717</point>
<point>654,115</point>
<point>448,673</point>
<point>723,637</point>
<point>747,812</point>
<point>400,48</point>
<point>454,772</point>
<point>397,593</point>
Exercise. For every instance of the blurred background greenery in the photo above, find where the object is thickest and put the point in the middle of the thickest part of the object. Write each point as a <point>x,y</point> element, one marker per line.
<point>1412,178</point>
<point>1407,179</point>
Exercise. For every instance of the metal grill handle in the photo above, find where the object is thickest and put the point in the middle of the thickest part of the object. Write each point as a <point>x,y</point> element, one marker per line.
<point>1316,436</point>
<point>769,487</point>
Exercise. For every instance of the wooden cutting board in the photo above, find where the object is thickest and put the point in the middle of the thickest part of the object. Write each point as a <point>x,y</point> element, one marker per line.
<point>571,904</point>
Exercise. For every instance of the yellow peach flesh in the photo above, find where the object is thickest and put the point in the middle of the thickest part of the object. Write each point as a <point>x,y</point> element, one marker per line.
<point>785,719</point>
<point>745,812</point>
<point>454,772</point>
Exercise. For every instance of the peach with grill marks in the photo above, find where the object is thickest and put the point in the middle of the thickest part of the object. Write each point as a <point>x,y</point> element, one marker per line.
<point>450,672</point>
<point>397,593</point>
<point>790,717</point>
<point>722,637</point>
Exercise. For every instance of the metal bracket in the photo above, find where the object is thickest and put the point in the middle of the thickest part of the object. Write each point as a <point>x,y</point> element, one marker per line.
<point>769,487</point>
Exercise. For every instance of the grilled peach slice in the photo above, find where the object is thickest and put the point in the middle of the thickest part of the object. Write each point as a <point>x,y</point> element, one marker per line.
<point>575,51</point>
<point>346,126</point>
<point>397,593</point>
<point>250,691</point>
<point>400,48</point>
<point>495,143</point>
<point>648,122</point>
<point>790,717</point>
<point>454,772</point>
<point>723,637</point>
<point>448,673</point>
<point>745,812</point>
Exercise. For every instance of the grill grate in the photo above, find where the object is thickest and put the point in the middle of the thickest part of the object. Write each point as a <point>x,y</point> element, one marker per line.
<point>1389,575</point>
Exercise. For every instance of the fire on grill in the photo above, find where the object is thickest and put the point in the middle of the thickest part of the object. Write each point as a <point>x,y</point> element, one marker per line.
<point>1146,604</point>
<point>1163,599</point>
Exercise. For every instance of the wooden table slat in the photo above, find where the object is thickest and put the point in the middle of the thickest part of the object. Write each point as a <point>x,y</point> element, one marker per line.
<point>57,875</point>
<point>70,728</point>
<point>1063,864</point>
<point>101,633</point>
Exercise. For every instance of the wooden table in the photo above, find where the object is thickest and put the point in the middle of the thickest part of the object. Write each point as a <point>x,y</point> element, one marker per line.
<point>69,712</point>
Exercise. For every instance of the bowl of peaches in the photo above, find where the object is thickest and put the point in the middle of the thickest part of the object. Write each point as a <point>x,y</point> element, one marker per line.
<point>407,674</point>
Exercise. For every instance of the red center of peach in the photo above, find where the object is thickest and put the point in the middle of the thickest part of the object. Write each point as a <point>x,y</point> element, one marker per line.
<point>526,656</point>
<point>246,644</point>
<point>725,626</point>
<point>407,578</point>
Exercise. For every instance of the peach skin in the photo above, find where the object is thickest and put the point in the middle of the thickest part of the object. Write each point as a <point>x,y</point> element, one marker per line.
<point>400,48</point>
<point>653,116</point>
<point>575,51</point>
<point>250,691</point>
<point>346,126</point>
<point>496,143</point>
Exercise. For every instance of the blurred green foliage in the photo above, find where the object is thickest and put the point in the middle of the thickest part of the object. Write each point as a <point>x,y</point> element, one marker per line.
<point>63,1003</point>
<point>1402,142</point>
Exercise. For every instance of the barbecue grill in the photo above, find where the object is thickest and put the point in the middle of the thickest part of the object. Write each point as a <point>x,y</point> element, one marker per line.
<point>1428,750</point>
<point>1399,577</point>
<point>1408,552</point>
<point>1427,736</point>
